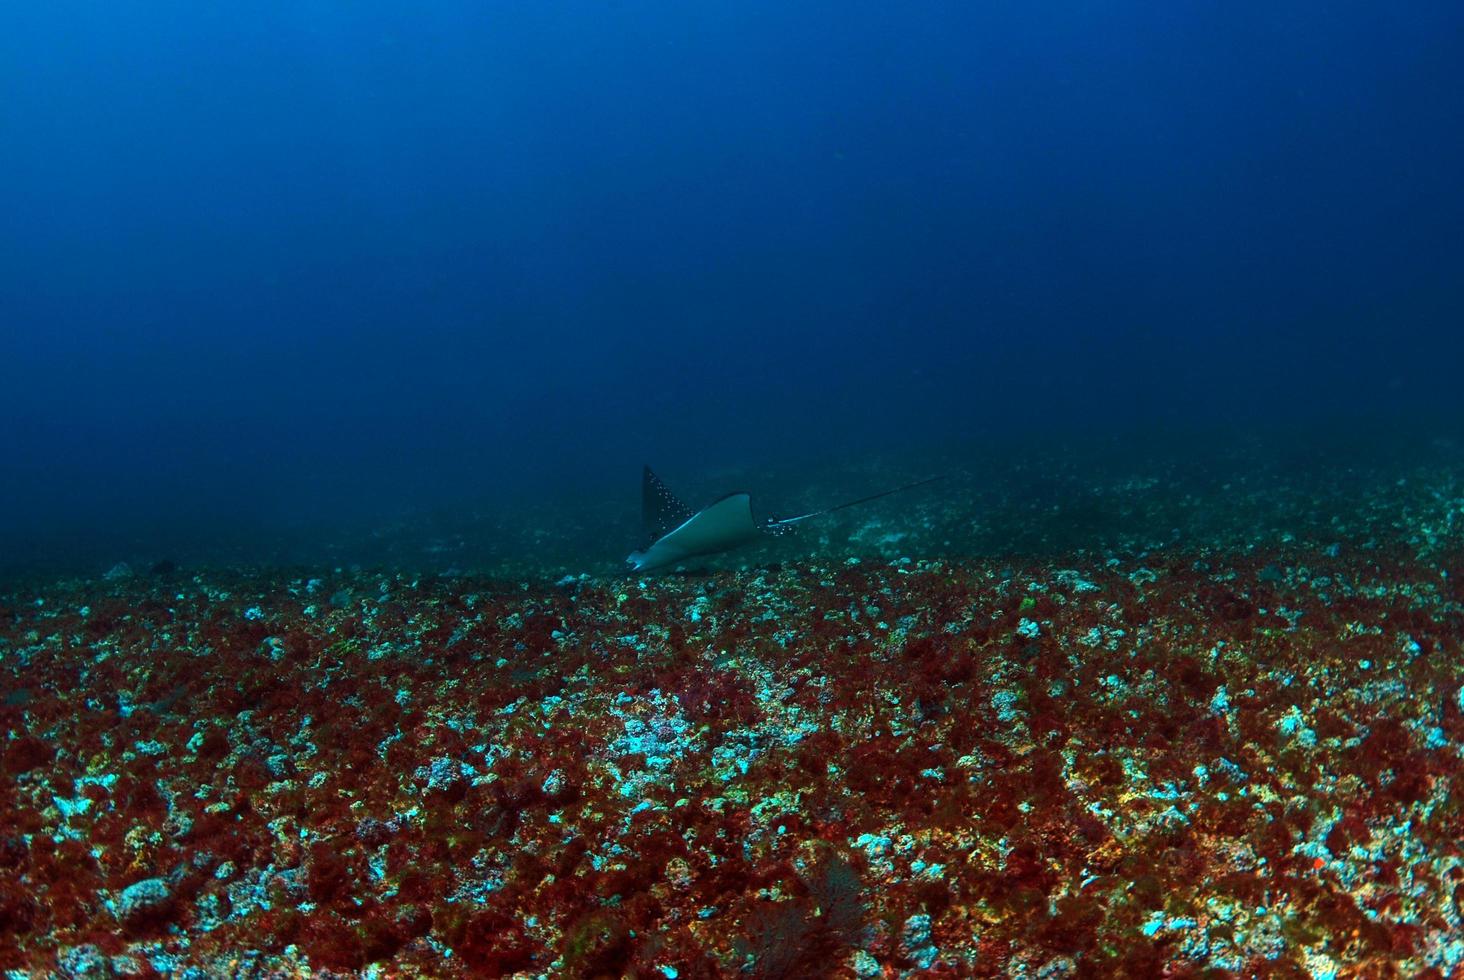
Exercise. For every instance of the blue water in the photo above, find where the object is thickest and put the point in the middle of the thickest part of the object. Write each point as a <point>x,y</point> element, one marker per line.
<point>270,266</point>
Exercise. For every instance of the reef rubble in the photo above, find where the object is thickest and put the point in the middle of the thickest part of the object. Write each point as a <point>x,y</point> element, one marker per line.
<point>1182,763</point>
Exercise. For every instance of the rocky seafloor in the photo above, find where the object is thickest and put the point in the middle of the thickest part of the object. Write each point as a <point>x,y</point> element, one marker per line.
<point>1190,754</point>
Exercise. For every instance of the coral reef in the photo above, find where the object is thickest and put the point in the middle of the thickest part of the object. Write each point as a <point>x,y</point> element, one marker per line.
<point>1235,761</point>
<point>1178,723</point>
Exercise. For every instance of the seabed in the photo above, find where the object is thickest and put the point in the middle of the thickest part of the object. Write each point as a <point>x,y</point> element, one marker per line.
<point>1212,748</point>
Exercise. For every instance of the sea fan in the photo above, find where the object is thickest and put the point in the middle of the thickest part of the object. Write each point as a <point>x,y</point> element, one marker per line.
<point>804,936</point>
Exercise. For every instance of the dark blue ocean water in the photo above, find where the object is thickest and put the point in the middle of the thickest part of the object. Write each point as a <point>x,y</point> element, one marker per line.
<point>272,267</point>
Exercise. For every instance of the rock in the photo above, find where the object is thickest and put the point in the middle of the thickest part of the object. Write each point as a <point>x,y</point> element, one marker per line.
<point>84,963</point>
<point>865,966</point>
<point>144,901</point>
<point>119,572</point>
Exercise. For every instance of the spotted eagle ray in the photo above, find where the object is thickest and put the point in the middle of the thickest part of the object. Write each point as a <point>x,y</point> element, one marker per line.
<point>674,532</point>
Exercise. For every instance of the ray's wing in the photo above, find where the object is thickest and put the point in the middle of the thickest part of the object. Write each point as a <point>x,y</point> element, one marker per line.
<point>661,512</point>
<point>724,525</point>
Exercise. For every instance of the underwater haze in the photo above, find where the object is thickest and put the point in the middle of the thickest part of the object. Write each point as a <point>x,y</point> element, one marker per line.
<point>727,490</point>
<point>276,276</point>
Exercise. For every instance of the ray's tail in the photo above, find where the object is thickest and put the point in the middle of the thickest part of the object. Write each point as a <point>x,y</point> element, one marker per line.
<point>787,522</point>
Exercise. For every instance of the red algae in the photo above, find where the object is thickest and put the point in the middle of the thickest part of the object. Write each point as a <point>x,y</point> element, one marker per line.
<point>1178,765</point>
